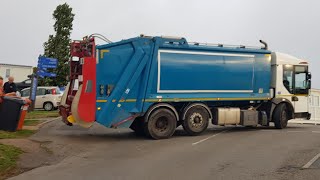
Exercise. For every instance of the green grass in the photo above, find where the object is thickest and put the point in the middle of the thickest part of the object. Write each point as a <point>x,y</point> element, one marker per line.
<point>18,134</point>
<point>31,122</point>
<point>8,159</point>
<point>42,114</point>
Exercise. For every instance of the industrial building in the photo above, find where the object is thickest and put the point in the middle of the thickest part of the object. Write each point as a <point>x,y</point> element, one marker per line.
<point>314,104</point>
<point>19,72</point>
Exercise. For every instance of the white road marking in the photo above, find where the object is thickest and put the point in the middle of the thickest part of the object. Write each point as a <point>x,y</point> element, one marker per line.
<point>296,131</point>
<point>271,130</point>
<point>311,161</point>
<point>209,137</point>
<point>316,131</point>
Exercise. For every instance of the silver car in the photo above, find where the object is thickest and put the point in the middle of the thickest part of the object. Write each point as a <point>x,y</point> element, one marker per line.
<point>47,98</point>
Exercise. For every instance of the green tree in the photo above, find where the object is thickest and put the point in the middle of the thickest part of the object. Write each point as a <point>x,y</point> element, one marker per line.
<point>58,45</point>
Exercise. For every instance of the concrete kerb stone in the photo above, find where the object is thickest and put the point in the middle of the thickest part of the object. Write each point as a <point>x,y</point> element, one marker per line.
<point>41,124</point>
<point>303,121</point>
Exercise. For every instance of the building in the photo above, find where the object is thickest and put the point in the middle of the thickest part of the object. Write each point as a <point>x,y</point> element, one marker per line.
<point>19,72</point>
<point>314,104</point>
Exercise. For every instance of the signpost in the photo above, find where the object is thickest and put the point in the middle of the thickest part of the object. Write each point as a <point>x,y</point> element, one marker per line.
<point>44,64</point>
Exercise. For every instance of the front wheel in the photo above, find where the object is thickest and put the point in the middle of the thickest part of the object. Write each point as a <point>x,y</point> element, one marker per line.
<point>161,124</point>
<point>280,116</point>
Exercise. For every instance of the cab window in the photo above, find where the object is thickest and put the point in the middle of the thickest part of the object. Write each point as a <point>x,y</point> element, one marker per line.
<point>295,79</point>
<point>288,77</point>
<point>301,82</point>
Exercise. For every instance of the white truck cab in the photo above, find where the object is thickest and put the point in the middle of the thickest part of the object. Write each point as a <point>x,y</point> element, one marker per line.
<point>291,81</point>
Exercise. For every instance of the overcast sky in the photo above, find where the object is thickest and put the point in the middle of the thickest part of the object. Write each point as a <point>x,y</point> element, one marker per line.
<point>289,26</point>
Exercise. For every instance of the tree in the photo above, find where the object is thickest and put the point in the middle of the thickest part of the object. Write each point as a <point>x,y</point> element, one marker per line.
<point>58,45</point>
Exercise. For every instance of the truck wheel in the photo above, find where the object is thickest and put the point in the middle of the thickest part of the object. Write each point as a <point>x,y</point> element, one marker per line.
<point>48,106</point>
<point>161,124</point>
<point>280,116</point>
<point>138,126</point>
<point>196,120</point>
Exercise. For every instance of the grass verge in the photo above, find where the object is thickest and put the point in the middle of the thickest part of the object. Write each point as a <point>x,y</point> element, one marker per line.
<point>18,134</point>
<point>8,159</point>
<point>42,114</point>
<point>31,122</point>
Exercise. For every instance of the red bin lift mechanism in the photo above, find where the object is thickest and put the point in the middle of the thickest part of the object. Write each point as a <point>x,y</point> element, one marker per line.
<point>82,75</point>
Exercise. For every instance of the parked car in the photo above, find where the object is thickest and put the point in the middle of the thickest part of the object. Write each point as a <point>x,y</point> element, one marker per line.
<point>47,98</point>
<point>24,84</point>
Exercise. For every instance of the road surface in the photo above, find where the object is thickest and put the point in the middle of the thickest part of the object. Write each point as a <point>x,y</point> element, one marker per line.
<point>220,153</point>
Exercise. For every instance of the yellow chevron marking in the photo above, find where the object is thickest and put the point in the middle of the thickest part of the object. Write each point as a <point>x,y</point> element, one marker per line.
<point>102,52</point>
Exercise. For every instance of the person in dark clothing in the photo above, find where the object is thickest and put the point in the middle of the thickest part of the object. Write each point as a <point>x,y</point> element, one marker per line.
<point>10,86</point>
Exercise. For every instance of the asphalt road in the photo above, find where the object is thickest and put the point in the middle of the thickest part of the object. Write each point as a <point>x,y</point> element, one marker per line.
<point>220,153</point>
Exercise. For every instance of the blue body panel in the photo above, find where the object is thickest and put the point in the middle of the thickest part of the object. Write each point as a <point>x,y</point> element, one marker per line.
<point>142,71</point>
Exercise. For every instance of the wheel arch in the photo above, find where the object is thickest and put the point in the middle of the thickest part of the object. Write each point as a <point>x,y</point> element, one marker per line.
<point>277,101</point>
<point>197,104</point>
<point>161,105</point>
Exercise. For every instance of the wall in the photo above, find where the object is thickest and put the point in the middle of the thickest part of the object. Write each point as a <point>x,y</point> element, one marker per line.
<point>19,73</point>
<point>314,104</point>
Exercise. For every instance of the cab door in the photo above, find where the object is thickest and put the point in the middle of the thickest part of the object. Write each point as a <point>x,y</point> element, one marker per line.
<point>301,89</point>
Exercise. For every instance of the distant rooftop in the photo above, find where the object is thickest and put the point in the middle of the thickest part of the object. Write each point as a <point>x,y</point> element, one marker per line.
<point>15,65</point>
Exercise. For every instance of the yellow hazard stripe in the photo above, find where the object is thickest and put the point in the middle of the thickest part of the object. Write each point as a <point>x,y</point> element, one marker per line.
<point>290,95</point>
<point>201,99</point>
<point>186,99</point>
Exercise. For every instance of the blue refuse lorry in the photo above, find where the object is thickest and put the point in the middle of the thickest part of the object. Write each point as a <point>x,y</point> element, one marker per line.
<point>155,84</point>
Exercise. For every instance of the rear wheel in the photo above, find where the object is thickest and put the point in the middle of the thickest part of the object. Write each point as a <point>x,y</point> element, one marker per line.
<point>280,116</point>
<point>161,124</point>
<point>48,106</point>
<point>196,120</point>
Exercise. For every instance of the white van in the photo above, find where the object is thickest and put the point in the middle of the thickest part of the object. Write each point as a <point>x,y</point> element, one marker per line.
<point>48,98</point>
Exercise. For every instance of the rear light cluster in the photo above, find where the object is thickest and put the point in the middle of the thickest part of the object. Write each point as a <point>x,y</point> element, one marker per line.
<point>53,91</point>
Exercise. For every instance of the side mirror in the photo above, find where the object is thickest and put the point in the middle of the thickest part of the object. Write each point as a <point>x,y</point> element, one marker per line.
<point>309,76</point>
<point>309,84</point>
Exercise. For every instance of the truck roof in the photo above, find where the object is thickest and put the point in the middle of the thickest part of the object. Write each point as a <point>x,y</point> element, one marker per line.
<point>182,43</point>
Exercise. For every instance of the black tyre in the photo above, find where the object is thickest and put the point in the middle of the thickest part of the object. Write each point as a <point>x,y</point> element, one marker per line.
<point>161,124</point>
<point>196,120</point>
<point>138,126</point>
<point>280,116</point>
<point>48,106</point>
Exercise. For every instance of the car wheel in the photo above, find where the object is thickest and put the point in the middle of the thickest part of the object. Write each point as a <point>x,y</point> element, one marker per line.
<point>48,106</point>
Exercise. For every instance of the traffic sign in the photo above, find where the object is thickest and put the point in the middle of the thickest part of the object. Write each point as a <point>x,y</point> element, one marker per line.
<point>45,66</point>
<point>46,74</point>
<point>47,62</point>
